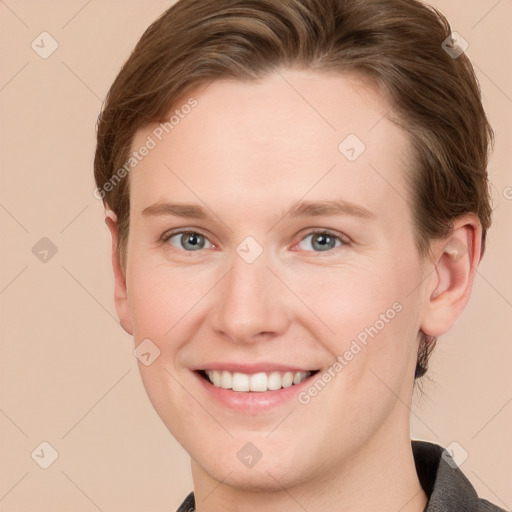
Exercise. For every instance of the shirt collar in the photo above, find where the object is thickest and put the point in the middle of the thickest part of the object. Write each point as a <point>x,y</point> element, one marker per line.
<point>443,482</point>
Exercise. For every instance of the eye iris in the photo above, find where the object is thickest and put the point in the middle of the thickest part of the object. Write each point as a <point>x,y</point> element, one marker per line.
<point>326,241</point>
<point>192,241</point>
<point>321,241</point>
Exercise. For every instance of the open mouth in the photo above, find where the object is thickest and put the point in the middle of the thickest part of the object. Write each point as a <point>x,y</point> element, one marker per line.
<point>256,382</point>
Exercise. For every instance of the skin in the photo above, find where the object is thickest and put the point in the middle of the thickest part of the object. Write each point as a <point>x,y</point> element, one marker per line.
<point>247,153</point>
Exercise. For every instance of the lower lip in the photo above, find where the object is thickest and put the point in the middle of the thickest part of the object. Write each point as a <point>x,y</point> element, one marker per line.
<point>253,401</point>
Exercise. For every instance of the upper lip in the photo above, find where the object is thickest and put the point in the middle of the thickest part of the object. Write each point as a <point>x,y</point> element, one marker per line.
<point>253,367</point>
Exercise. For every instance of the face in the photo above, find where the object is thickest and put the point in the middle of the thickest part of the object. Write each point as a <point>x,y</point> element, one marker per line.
<point>268,250</point>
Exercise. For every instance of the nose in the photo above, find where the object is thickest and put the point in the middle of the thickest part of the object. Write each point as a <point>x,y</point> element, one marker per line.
<point>251,303</point>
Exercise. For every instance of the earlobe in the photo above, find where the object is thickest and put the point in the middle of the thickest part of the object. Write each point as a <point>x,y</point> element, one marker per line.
<point>449,288</point>
<point>120,288</point>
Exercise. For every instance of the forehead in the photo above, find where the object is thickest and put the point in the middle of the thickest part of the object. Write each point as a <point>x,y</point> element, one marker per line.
<point>292,133</point>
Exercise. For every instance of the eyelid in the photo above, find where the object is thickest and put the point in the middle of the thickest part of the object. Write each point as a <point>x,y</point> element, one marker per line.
<point>336,234</point>
<point>181,231</point>
<point>344,239</point>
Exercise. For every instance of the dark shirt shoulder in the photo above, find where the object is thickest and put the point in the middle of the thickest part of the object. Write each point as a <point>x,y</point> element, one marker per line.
<point>446,486</point>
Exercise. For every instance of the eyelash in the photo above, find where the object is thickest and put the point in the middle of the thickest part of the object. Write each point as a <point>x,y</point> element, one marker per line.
<point>344,242</point>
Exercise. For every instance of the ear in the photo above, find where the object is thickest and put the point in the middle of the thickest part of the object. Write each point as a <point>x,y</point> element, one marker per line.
<point>120,290</point>
<point>449,286</point>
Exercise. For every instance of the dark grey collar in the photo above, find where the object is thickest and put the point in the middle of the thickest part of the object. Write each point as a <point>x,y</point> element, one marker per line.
<point>444,483</point>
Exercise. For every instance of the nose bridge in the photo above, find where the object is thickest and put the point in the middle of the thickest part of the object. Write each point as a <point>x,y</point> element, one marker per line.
<point>250,302</point>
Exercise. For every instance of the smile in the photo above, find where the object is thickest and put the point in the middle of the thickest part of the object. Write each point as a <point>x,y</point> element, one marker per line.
<point>257,382</point>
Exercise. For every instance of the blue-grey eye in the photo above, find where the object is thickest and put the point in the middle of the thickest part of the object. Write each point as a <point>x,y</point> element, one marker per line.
<point>188,240</point>
<point>322,241</point>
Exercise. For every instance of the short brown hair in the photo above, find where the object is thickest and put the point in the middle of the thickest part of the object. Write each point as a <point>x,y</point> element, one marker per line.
<point>397,44</point>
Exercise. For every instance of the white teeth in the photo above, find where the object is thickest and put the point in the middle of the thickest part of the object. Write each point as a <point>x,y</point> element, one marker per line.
<point>240,382</point>
<point>287,380</point>
<point>274,381</point>
<point>299,377</point>
<point>258,382</point>
<point>215,377</point>
<point>261,382</point>
<point>226,380</point>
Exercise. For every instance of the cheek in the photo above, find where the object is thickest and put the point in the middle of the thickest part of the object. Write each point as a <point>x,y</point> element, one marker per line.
<point>370,321</point>
<point>161,302</point>
<point>160,299</point>
<point>347,299</point>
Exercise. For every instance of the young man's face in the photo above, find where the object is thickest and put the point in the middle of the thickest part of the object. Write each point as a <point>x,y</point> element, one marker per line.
<point>256,290</point>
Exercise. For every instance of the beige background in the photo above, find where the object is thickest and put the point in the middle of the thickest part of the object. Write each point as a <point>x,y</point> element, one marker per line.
<point>68,374</point>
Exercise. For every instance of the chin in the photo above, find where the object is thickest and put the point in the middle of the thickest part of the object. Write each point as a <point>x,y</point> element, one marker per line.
<point>269,473</point>
<point>264,479</point>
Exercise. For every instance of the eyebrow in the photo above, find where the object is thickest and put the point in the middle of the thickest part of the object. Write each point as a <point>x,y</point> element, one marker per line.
<point>299,210</point>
